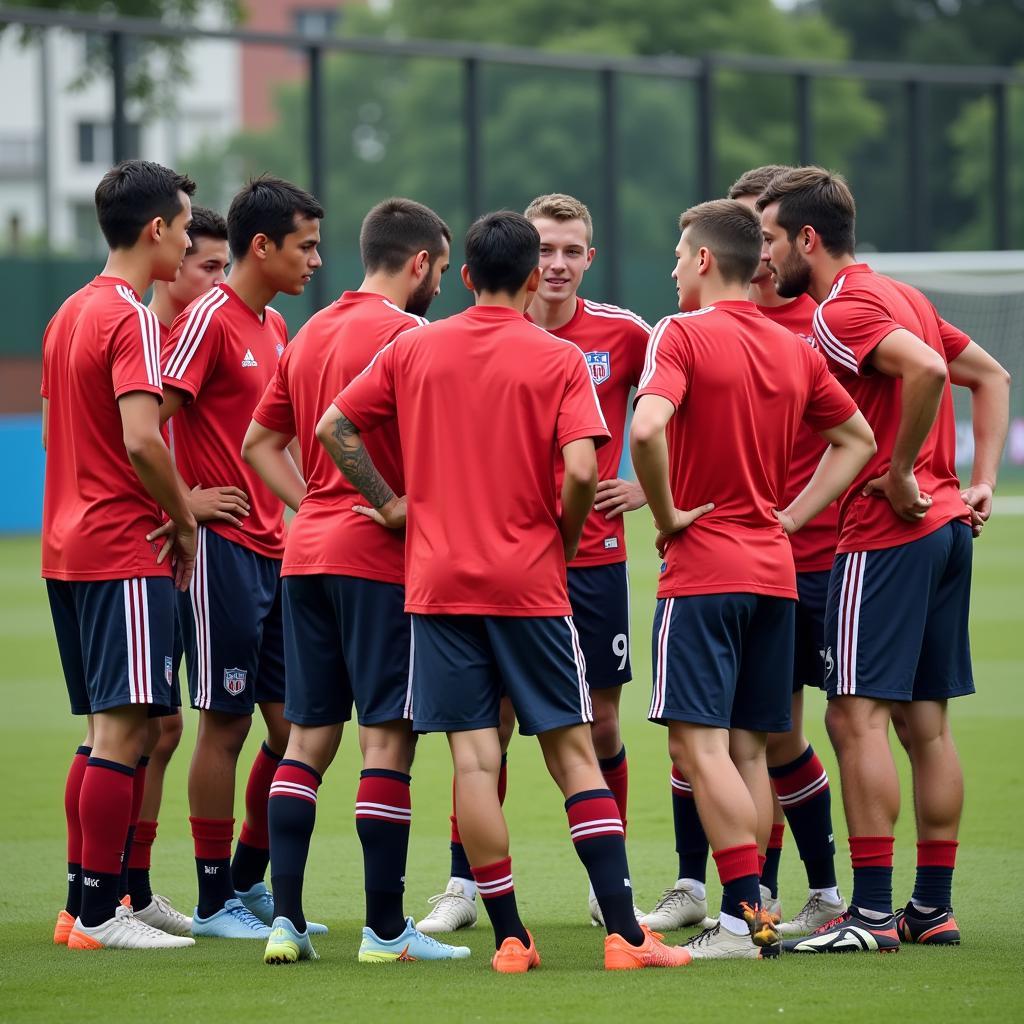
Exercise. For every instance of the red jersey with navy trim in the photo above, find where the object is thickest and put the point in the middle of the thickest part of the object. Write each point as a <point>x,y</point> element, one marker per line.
<point>860,311</point>
<point>484,400</point>
<point>741,386</point>
<point>100,345</point>
<point>614,342</point>
<point>331,349</point>
<point>814,546</point>
<point>223,356</point>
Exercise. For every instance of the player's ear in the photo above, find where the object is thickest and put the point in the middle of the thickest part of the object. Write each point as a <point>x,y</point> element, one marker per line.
<point>533,281</point>
<point>154,230</point>
<point>703,259</point>
<point>591,253</point>
<point>421,264</point>
<point>466,279</point>
<point>260,246</point>
<point>808,238</point>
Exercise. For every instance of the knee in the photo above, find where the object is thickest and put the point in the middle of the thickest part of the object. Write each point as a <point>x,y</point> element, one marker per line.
<point>226,733</point>
<point>390,749</point>
<point>170,737</point>
<point>682,757</point>
<point>605,733</point>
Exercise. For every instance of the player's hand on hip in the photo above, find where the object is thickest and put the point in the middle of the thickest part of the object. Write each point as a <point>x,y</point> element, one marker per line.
<point>786,521</point>
<point>677,521</point>
<point>229,504</point>
<point>165,530</point>
<point>978,498</point>
<point>184,556</point>
<point>903,494</point>
<point>391,514</point>
<point>617,496</point>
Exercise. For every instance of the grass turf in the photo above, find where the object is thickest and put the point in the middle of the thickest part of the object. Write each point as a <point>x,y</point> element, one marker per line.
<point>218,980</point>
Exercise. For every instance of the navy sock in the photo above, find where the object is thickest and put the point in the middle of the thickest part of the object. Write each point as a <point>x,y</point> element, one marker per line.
<point>383,817</point>
<point>933,887</point>
<point>100,892</point>
<point>72,793</point>
<point>460,862</point>
<point>248,865</point>
<point>494,882</point>
<point>770,871</point>
<point>803,790</point>
<point>737,870</point>
<point>872,873</point>
<point>291,815</point>
<point>691,842</point>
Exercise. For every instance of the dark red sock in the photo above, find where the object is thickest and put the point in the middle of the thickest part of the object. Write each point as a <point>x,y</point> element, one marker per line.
<point>138,792</point>
<point>738,872</point>
<point>212,839</point>
<point>252,852</point>
<point>104,809</point>
<point>616,776</point>
<point>770,862</point>
<point>933,886</point>
<point>496,888</point>
<point>872,872</point>
<point>72,795</point>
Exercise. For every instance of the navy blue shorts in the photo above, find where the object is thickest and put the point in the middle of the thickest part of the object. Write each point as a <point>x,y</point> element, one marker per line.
<point>809,649</point>
<point>115,641</point>
<point>896,625</point>
<point>464,664</point>
<point>346,640</point>
<point>723,660</point>
<point>232,629</point>
<point>599,595</point>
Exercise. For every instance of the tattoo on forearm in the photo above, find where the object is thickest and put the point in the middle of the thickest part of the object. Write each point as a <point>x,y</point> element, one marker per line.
<point>354,461</point>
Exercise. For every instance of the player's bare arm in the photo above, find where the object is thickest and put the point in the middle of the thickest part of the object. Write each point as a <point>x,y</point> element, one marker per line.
<point>140,421</point>
<point>578,488</point>
<point>46,411</point>
<point>989,385</point>
<point>270,454</point>
<point>340,436</point>
<point>617,496</point>
<point>649,448</point>
<point>922,372</point>
<point>851,445</point>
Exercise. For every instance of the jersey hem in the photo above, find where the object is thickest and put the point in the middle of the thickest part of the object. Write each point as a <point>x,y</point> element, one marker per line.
<point>589,561</point>
<point>105,575</point>
<point>704,589</point>
<point>330,569</point>
<point>500,610</point>
<point>232,535</point>
<point>884,543</point>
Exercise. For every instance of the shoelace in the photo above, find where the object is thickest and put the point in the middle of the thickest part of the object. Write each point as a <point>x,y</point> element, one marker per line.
<point>811,907</point>
<point>442,899</point>
<point>247,918</point>
<point>165,905</point>
<point>671,898</point>
<point>705,936</point>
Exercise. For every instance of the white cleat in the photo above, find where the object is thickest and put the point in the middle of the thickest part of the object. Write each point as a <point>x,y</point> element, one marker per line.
<point>817,912</point>
<point>719,943</point>
<point>452,911</point>
<point>160,914</point>
<point>771,903</point>
<point>678,908</point>
<point>124,931</point>
<point>597,918</point>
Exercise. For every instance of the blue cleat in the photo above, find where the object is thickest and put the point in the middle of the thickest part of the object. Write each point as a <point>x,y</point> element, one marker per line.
<point>259,900</point>
<point>286,945</point>
<point>410,945</point>
<point>232,921</point>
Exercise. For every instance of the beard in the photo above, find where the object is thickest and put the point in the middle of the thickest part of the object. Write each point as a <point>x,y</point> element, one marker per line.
<point>793,277</point>
<point>420,300</point>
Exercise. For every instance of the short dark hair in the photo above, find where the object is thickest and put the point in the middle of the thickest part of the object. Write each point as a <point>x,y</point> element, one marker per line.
<point>133,193</point>
<point>502,250</point>
<point>731,231</point>
<point>816,197</point>
<point>206,223</point>
<point>399,228</point>
<point>267,206</point>
<point>756,180</point>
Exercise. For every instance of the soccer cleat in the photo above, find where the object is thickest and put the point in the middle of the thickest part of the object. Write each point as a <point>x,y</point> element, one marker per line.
<point>233,921</point>
<point>761,923</point>
<point>62,929</point>
<point>677,908</point>
<point>286,945</point>
<point>160,914</point>
<point>719,943</point>
<point>597,918</point>
<point>619,955</point>
<point>512,957</point>
<point>849,933</point>
<point>259,900</point>
<point>452,910</point>
<point>816,912</point>
<point>772,904</point>
<point>409,946</point>
<point>935,929</point>
<point>124,931</point>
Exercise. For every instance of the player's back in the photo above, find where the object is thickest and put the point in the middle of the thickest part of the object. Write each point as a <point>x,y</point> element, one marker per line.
<point>100,345</point>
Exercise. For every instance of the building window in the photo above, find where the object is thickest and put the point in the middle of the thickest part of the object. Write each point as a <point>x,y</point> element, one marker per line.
<point>96,142</point>
<point>315,24</point>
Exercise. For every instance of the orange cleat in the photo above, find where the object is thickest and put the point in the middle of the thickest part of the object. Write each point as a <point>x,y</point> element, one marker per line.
<point>512,957</point>
<point>619,955</point>
<point>62,929</point>
<point>762,924</point>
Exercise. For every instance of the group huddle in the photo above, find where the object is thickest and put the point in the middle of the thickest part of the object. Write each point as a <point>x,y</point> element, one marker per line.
<point>457,564</point>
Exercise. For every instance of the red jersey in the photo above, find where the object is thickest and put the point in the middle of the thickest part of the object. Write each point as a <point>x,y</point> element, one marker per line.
<point>101,344</point>
<point>223,356</point>
<point>814,546</point>
<point>860,311</point>
<point>483,400</point>
<point>333,347</point>
<point>741,386</point>
<point>614,342</point>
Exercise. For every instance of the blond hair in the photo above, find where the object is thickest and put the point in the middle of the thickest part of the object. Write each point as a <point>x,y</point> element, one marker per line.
<point>558,206</point>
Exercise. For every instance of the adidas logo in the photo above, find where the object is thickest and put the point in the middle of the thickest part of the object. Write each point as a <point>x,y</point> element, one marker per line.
<point>250,359</point>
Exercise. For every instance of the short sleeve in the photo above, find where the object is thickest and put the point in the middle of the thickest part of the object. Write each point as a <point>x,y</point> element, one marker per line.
<point>668,363</point>
<point>190,352</point>
<point>135,353</point>
<point>849,330</point>
<point>954,341</point>
<point>274,410</point>
<point>369,399</point>
<point>828,402</point>
<point>579,412</point>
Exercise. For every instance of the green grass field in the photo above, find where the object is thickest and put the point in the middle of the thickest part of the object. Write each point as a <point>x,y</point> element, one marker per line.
<point>218,981</point>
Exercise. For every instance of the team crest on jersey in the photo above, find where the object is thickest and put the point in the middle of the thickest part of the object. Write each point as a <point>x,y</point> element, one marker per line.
<point>234,680</point>
<point>280,350</point>
<point>600,365</point>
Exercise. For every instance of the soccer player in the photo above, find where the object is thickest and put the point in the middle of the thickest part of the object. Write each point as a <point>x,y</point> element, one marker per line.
<point>347,638</point>
<point>486,549</point>
<point>613,341</point>
<point>221,354</point>
<point>798,777</point>
<point>109,478</point>
<point>731,389</point>
<point>896,621</point>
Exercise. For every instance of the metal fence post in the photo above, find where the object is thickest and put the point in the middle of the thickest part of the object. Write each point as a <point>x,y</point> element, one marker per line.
<point>805,120</point>
<point>917,166</point>
<point>315,141</point>
<point>610,184</point>
<point>705,131</point>
<point>119,118</point>
<point>1001,209</point>
<point>473,132</point>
